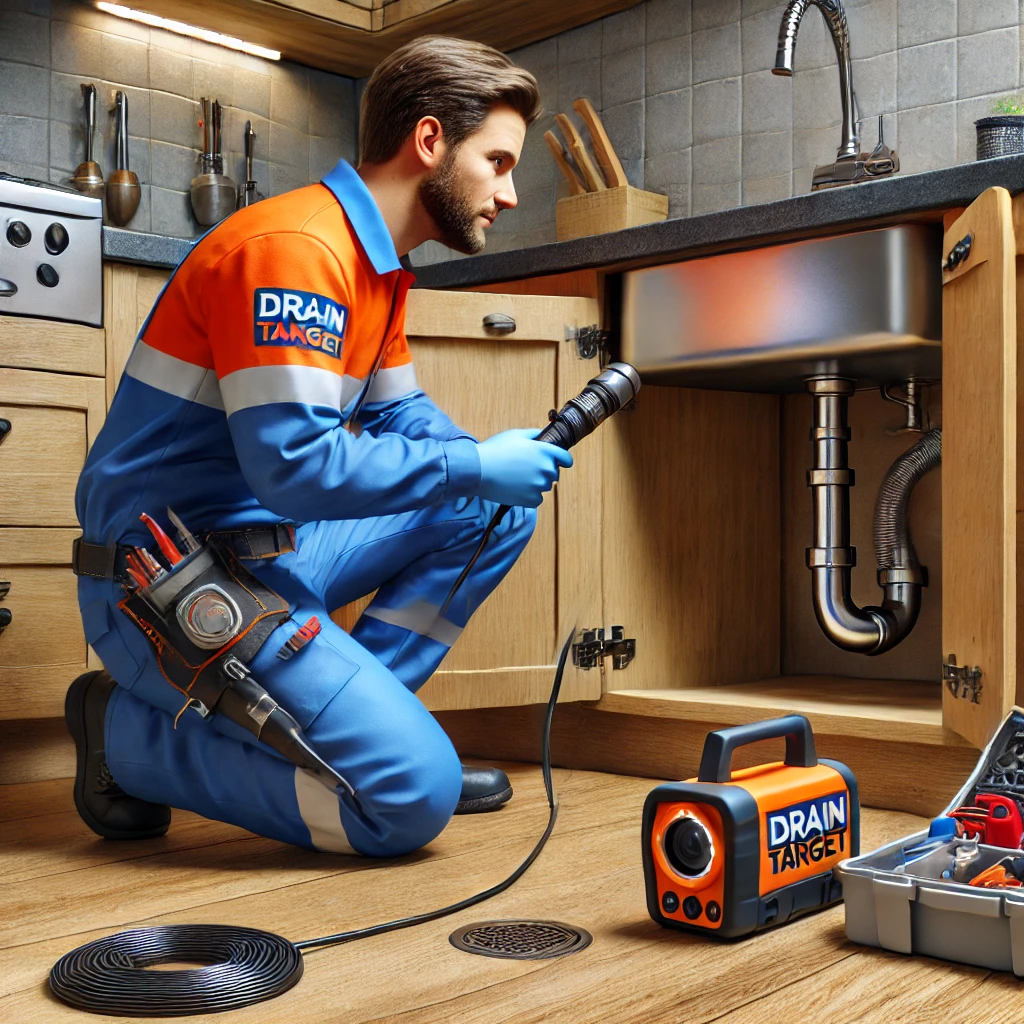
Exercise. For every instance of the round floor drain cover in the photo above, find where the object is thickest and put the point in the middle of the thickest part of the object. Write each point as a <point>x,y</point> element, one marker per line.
<point>521,940</point>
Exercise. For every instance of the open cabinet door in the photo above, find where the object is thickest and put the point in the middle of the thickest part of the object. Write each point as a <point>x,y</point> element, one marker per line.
<point>979,468</point>
<point>490,380</point>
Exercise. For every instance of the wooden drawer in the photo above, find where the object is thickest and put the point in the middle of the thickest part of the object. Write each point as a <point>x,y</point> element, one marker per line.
<point>31,344</point>
<point>43,648</point>
<point>438,314</point>
<point>54,418</point>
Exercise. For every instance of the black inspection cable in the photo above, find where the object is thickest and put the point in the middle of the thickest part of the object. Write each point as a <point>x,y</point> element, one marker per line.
<point>615,386</point>
<point>244,965</point>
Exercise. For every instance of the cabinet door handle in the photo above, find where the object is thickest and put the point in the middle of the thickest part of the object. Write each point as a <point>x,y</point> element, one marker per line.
<point>500,323</point>
<point>5,429</point>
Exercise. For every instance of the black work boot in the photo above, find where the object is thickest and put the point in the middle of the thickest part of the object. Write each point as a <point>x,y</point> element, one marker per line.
<point>103,805</point>
<point>483,789</point>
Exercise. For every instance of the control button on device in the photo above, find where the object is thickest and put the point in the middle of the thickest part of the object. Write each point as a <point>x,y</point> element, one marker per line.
<point>713,910</point>
<point>670,902</point>
<point>7,289</point>
<point>56,239</point>
<point>692,907</point>
<point>18,233</point>
<point>47,276</point>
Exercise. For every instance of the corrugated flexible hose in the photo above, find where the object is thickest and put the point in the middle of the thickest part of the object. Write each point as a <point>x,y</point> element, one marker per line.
<point>893,546</point>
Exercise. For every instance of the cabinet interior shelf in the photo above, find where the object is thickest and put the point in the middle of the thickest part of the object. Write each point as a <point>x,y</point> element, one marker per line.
<point>907,711</point>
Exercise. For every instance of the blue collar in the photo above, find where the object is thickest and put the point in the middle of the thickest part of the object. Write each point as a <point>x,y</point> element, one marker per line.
<point>355,199</point>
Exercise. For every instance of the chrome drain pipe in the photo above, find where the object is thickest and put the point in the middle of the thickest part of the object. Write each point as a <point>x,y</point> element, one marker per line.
<point>871,630</point>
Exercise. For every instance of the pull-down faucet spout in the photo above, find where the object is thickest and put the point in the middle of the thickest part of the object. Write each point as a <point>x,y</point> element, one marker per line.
<point>835,18</point>
<point>850,165</point>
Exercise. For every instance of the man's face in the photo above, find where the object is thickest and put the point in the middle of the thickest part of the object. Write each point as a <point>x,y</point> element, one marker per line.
<point>474,181</point>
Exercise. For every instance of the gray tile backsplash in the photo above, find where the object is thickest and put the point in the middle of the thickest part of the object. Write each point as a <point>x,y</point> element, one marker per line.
<point>304,120</point>
<point>684,87</point>
<point>713,128</point>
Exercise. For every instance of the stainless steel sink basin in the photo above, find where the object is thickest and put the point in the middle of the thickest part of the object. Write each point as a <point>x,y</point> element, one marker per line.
<point>866,305</point>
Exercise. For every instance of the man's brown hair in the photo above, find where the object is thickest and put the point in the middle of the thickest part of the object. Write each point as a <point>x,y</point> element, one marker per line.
<point>454,80</point>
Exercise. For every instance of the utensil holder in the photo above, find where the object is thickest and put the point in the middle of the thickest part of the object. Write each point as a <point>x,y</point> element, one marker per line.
<point>612,209</point>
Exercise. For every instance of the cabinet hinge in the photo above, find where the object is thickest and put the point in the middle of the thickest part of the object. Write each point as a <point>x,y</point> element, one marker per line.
<point>591,646</point>
<point>961,681</point>
<point>590,341</point>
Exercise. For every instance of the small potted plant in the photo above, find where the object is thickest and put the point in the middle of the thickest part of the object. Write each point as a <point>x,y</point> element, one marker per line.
<point>1003,134</point>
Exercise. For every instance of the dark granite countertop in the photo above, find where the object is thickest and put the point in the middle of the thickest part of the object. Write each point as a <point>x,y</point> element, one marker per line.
<point>903,197</point>
<point>123,246</point>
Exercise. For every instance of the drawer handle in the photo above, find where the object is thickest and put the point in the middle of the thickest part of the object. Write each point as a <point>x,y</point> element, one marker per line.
<point>5,619</point>
<point>500,323</point>
<point>5,429</point>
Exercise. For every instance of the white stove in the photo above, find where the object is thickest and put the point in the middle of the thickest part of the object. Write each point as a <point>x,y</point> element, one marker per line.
<point>51,252</point>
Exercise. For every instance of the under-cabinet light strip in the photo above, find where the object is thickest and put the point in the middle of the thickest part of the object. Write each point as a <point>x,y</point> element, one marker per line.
<point>188,30</point>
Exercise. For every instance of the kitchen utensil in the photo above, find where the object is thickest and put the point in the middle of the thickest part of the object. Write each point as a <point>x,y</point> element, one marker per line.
<point>575,185</point>
<point>614,175</point>
<point>123,189</point>
<point>213,192</point>
<point>595,183</point>
<point>88,177</point>
<point>249,193</point>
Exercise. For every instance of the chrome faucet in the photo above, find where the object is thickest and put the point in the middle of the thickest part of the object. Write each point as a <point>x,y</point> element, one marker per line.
<point>851,165</point>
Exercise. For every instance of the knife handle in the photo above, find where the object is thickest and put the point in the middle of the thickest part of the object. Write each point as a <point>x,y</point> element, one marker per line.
<point>575,185</point>
<point>603,149</point>
<point>595,183</point>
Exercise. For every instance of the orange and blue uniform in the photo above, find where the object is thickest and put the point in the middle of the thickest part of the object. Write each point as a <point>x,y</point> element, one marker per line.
<point>232,411</point>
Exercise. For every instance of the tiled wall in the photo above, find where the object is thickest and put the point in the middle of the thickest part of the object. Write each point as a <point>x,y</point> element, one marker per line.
<point>304,120</point>
<point>689,100</point>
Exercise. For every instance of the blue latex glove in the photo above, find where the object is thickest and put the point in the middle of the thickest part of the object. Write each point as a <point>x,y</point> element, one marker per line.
<point>516,470</point>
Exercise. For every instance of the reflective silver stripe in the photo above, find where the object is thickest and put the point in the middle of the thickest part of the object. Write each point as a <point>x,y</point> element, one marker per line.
<point>320,809</point>
<point>350,387</point>
<point>174,376</point>
<point>392,383</point>
<point>265,385</point>
<point>421,618</point>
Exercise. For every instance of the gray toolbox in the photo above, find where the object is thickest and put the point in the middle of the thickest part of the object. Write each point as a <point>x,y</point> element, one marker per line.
<point>914,895</point>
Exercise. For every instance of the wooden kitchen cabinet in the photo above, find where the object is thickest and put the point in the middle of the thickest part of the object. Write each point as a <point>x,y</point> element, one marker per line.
<point>701,489</point>
<point>350,37</point>
<point>54,418</point>
<point>488,382</point>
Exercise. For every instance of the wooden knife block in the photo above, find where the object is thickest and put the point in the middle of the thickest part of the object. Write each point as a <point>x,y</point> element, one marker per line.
<point>612,209</point>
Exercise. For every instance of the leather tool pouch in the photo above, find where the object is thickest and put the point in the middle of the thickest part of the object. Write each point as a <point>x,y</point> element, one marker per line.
<point>207,606</point>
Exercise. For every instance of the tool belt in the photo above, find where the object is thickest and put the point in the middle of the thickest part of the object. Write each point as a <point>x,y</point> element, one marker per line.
<point>107,561</point>
<point>207,618</point>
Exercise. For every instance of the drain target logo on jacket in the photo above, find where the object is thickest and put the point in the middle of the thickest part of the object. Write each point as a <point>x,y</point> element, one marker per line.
<point>303,319</point>
<point>807,833</point>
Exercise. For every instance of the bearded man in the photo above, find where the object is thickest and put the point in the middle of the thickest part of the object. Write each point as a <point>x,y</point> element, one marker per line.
<point>271,401</point>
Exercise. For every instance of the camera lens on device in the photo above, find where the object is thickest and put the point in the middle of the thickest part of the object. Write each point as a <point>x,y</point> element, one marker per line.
<point>688,846</point>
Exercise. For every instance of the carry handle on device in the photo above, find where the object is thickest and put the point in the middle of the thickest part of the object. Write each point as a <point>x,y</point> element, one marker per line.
<point>716,761</point>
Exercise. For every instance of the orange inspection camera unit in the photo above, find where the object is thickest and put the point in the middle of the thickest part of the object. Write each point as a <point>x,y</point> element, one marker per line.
<point>730,853</point>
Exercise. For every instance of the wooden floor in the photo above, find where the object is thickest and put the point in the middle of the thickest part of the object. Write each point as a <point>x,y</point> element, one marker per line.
<point>61,887</point>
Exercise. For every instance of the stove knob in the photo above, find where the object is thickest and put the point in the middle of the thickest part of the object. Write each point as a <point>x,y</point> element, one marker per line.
<point>47,276</point>
<point>7,289</point>
<point>18,233</point>
<point>56,239</point>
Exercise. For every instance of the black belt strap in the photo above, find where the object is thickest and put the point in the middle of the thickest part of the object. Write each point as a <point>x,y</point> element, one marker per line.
<point>107,561</point>
<point>101,561</point>
<point>258,542</point>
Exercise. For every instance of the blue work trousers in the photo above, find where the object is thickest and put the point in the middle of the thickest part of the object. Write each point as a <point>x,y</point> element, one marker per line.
<point>352,694</point>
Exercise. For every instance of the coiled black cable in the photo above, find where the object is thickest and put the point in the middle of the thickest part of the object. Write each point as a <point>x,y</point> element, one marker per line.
<point>110,975</point>
<point>243,965</point>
